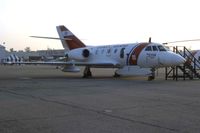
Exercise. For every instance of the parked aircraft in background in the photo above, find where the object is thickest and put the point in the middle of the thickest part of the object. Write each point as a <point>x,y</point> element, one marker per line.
<point>13,59</point>
<point>129,59</point>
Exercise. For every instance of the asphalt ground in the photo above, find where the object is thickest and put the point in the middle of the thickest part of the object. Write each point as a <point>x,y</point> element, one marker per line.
<point>42,99</point>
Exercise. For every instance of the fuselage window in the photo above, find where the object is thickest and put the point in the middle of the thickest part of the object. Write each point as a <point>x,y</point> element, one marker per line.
<point>122,53</point>
<point>148,48</point>
<point>115,51</point>
<point>102,51</point>
<point>108,51</point>
<point>96,52</point>
<point>155,48</point>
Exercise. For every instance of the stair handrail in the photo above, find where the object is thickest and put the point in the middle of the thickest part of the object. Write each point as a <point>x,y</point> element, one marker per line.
<point>191,57</point>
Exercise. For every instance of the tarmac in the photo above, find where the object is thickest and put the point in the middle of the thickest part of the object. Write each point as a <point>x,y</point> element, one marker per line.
<point>42,99</point>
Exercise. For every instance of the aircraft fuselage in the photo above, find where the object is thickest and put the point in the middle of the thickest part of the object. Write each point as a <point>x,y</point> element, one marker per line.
<point>145,55</point>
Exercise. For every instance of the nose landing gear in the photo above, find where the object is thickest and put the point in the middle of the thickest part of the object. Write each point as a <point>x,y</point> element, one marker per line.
<point>152,77</point>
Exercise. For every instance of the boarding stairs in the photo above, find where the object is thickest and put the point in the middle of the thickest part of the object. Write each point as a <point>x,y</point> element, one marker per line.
<point>189,70</point>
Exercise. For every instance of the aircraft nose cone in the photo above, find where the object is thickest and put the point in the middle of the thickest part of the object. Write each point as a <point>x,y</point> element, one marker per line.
<point>177,59</point>
<point>171,59</point>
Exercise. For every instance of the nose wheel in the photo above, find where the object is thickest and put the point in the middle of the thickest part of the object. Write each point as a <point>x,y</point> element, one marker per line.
<point>87,73</point>
<point>152,77</point>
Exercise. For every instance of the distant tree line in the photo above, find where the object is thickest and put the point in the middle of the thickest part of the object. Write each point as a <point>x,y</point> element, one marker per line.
<point>27,49</point>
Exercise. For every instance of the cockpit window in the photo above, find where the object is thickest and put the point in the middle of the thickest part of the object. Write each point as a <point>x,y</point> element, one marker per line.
<point>148,48</point>
<point>161,48</point>
<point>155,48</point>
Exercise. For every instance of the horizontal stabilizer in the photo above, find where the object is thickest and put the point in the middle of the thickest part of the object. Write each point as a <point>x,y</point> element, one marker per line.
<point>51,38</point>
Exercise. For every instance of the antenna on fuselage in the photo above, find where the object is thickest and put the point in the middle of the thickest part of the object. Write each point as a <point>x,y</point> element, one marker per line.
<point>149,39</point>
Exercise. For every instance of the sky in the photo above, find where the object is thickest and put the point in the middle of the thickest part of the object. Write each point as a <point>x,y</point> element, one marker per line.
<point>98,22</point>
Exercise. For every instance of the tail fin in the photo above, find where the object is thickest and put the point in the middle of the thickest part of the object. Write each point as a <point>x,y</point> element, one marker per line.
<point>68,39</point>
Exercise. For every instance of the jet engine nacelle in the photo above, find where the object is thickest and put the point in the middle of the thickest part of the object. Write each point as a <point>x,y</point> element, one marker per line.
<point>78,54</point>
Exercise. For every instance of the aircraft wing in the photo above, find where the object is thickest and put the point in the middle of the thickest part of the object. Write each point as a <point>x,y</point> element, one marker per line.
<point>111,64</point>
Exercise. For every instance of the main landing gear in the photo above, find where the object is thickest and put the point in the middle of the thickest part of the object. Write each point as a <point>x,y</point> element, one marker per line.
<point>87,73</point>
<point>116,75</point>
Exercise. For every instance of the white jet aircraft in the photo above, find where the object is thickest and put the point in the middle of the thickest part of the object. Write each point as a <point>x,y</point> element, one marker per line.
<point>129,59</point>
